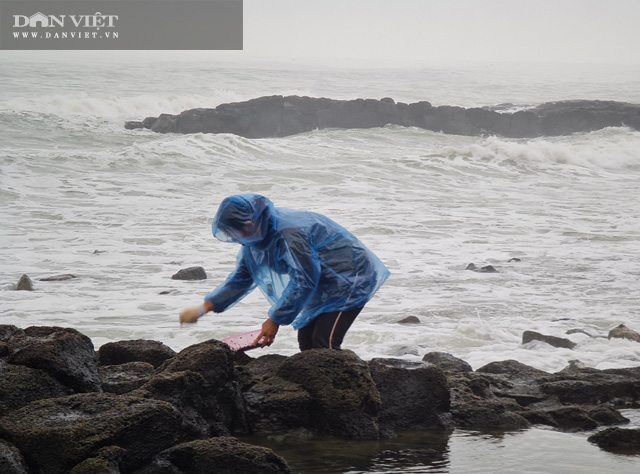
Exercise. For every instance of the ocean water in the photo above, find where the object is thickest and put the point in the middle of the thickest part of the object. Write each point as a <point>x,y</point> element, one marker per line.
<point>124,210</point>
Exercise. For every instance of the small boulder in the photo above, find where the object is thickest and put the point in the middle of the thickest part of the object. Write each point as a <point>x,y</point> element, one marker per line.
<point>221,455</point>
<point>623,332</point>
<point>486,269</point>
<point>447,362</point>
<point>554,341</point>
<point>409,320</point>
<point>617,439</point>
<point>191,273</point>
<point>63,353</point>
<point>24,284</point>
<point>138,350</point>
<point>66,276</point>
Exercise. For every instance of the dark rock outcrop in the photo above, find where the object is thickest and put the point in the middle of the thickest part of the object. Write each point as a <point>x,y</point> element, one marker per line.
<point>180,416</point>
<point>278,116</point>
<point>55,434</point>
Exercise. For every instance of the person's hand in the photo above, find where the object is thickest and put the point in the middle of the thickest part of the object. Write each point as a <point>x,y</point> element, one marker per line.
<point>192,315</point>
<point>268,334</point>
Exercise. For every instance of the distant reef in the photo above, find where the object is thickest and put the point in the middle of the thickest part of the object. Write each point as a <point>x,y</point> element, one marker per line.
<point>279,116</point>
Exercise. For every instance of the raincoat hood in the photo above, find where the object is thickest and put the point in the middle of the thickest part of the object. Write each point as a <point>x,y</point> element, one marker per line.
<point>243,219</point>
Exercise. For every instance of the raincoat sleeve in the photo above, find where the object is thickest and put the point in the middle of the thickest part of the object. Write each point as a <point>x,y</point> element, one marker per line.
<point>237,286</point>
<point>304,275</point>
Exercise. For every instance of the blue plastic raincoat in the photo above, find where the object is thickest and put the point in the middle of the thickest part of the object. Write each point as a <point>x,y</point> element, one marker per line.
<point>304,263</point>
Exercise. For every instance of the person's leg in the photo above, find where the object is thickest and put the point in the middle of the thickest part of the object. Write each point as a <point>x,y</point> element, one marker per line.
<point>330,328</point>
<point>305,337</point>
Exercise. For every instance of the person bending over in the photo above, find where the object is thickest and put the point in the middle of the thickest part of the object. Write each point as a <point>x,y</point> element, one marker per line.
<point>317,275</point>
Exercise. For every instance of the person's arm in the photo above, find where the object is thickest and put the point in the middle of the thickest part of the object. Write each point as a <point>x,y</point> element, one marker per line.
<point>238,284</point>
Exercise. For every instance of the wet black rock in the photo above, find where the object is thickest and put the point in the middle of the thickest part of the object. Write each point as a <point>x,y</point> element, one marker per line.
<point>345,399</point>
<point>55,434</point>
<point>618,439</point>
<point>447,362</point>
<point>137,350</point>
<point>64,353</point>
<point>20,385</point>
<point>64,277</point>
<point>486,269</point>
<point>554,341</point>
<point>414,395</point>
<point>410,320</point>
<point>191,273</point>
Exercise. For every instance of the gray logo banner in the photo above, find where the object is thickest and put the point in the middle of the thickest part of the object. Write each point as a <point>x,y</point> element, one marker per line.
<point>121,24</point>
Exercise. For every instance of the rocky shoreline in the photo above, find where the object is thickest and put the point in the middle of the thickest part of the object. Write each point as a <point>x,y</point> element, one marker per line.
<point>281,116</point>
<point>139,407</point>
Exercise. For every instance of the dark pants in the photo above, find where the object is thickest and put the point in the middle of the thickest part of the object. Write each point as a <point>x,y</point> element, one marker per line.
<point>327,330</point>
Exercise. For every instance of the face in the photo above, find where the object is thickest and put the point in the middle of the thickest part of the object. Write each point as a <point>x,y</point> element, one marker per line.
<point>248,229</point>
<point>246,233</point>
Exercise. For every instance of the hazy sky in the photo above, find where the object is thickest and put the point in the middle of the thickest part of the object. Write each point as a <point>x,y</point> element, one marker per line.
<point>422,32</point>
<point>384,31</point>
